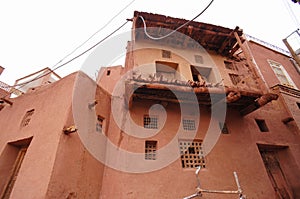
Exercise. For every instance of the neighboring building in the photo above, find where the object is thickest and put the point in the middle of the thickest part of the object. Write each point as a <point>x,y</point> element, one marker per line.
<point>204,96</point>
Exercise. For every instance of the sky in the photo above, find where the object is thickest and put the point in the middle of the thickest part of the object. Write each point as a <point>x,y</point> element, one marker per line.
<point>37,34</point>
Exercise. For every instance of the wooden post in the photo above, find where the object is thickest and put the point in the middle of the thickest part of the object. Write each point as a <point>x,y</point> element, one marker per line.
<point>252,68</point>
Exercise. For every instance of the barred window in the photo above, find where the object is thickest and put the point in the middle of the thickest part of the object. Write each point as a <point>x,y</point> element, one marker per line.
<point>191,154</point>
<point>235,78</point>
<point>166,54</point>
<point>199,59</point>
<point>27,117</point>
<point>150,150</point>
<point>150,122</point>
<point>188,124</point>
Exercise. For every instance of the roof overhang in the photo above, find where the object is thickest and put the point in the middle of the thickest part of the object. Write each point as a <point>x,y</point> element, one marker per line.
<point>210,37</point>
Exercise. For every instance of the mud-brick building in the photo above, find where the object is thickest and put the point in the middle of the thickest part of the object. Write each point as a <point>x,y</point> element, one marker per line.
<point>203,96</point>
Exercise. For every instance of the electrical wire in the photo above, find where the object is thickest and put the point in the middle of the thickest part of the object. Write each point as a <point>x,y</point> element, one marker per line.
<point>169,34</point>
<point>116,15</point>
<point>291,13</point>
<point>74,58</point>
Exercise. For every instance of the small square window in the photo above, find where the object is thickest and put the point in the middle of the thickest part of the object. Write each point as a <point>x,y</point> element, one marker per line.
<point>166,54</point>
<point>188,124</point>
<point>262,125</point>
<point>199,59</point>
<point>150,150</point>
<point>223,128</point>
<point>150,122</point>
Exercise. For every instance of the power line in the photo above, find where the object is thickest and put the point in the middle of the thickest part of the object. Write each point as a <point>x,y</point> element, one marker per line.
<point>167,35</point>
<point>95,32</point>
<point>291,13</point>
<point>55,68</point>
<point>74,58</point>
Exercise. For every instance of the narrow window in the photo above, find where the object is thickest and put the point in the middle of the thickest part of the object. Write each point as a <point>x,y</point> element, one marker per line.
<point>166,54</point>
<point>235,79</point>
<point>108,72</point>
<point>27,117</point>
<point>150,150</point>
<point>188,124</point>
<point>99,124</point>
<point>150,122</point>
<point>223,128</point>
<point>262,125</point>
<point>298,104</point>
<point>199,59</point>
<point>191,154</point>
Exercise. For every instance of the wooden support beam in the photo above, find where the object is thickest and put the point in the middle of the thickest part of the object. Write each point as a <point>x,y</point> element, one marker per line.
<point>252,67</point>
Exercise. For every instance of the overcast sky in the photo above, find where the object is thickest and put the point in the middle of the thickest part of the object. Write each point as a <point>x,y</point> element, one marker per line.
<point>37,34</point>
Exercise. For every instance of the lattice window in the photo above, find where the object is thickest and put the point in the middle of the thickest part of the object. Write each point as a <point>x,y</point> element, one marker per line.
<point>27,117</point>
<point>166,54</point>
<point>150,150</point>
<point>223,128</point>
<point>150,122</point>
<point>199,59</point>
<point>191,154</point>
<point>235,79</point>
<point>188,124</point>
<point>99,124</point>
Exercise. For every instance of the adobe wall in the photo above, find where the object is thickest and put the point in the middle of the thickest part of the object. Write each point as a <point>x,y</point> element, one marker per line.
<point>261,54</point>
<point>237,151</point>
<point>55,165</point>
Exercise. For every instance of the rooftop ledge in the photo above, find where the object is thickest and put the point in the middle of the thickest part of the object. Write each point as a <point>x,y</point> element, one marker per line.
<point>176,91</point>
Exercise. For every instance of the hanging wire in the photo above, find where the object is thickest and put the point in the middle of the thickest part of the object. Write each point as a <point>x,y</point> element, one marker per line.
<point>74,58</point>
<point>105,25</point>
<point>169,34</point>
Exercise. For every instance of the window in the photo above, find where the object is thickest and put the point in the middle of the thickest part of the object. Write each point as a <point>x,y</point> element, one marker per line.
<point>108,72</point>
<point>229,65</point>
<point>150,122</point>
<point>166,54</point>
<point>188,124</point>
<point>235,79</point>
<point>223,128</point>
<point>199,59</point>
<point>262,125</point>
<point>201,73</point>
<point>281,74</point>
<point>166,69</point>
<point>150,150</point>
<point>99,124</point>
<point>191,154</point>
<point>298,104</point>
<point>27,117</point>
